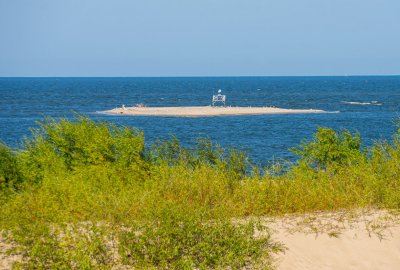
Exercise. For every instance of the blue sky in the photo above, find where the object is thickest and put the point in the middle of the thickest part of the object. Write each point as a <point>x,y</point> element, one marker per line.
<point>199,38</point>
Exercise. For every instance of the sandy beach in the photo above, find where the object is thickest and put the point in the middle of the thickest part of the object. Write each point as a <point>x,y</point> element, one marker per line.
<point>199,111</point>
<point>338,241</point>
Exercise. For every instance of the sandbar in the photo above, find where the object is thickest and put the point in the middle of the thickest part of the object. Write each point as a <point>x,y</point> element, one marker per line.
<point>201,111</point>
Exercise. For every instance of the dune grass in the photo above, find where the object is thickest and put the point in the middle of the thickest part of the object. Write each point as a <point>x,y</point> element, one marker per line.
<point>87,195</point>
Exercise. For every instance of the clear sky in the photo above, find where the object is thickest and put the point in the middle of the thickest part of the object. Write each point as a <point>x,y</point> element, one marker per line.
<point>199,38</point>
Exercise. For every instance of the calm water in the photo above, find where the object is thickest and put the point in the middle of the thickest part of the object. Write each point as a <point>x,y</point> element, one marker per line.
<point>366,104</point>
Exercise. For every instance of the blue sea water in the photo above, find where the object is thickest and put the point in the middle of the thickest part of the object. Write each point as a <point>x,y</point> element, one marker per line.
<point>368,105</point>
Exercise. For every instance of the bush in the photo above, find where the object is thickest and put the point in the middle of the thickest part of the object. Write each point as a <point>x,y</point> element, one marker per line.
<point>73,246</point>
<point>10,175</point>
<point>179,240</point>
<point>329,148</point>
<point>204,152</point>
<point>60,146</point>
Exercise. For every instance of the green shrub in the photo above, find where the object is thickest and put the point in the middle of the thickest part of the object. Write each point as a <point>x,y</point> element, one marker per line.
<point>329,148</point>
<point>180,240</point>
<point>61,146</point>
<point>10,175</point>
<point>86,142</point>
<point>171,152</point>
<point>73,246</point>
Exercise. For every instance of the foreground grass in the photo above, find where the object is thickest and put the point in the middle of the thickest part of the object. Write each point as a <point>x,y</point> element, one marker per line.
<point>89,195</point>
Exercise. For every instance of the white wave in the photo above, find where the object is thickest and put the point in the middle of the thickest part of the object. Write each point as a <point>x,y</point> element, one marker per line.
<point>332,112</point>
<point>374,103</point>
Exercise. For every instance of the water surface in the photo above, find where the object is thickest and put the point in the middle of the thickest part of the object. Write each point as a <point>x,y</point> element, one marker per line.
<point>366,104</point>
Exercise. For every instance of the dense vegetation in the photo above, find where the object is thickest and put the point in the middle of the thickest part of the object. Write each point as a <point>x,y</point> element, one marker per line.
<point>87,195</point>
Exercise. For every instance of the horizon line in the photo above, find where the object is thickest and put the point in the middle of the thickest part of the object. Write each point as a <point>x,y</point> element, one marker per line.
<point>207,76</point>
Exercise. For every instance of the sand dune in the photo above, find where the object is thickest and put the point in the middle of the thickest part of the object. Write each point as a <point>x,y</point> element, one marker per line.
<point>198,111</point>
<point>370,241</point>
<point>335,241</point>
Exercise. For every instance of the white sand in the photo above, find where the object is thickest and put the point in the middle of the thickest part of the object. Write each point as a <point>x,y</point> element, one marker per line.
<point>204,111</point>
<point>7,260</point>
<point>371,241</point>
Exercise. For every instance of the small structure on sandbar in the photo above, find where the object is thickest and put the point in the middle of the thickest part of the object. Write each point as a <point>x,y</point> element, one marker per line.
<point>219,98</point>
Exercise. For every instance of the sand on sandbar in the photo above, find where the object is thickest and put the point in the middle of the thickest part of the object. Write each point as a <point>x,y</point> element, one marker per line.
<point>198,111</point>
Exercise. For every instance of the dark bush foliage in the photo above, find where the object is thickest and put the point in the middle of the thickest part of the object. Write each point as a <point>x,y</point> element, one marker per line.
<point>10,175</point>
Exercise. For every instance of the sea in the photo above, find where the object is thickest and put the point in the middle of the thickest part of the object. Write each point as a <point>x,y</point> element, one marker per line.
<point>368,105</point>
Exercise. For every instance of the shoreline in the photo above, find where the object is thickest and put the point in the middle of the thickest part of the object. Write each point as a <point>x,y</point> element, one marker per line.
<point>203,111</point>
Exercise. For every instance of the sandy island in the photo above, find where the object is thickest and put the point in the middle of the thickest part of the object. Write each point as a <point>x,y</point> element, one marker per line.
<point>198,111</point>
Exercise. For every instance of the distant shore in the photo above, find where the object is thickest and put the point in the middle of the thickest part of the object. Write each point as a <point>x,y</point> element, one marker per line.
<point>199,111</point>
